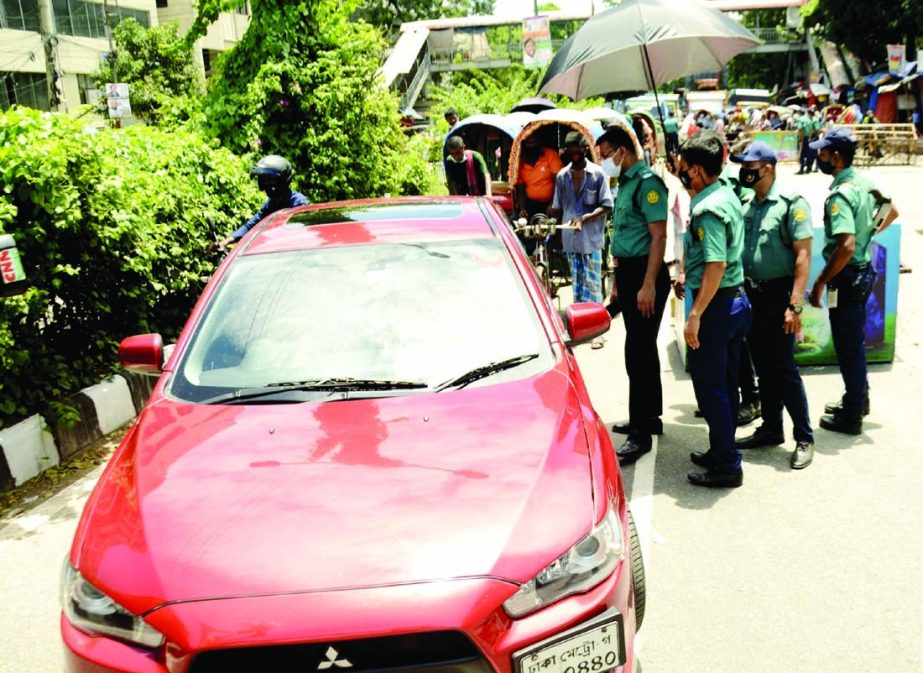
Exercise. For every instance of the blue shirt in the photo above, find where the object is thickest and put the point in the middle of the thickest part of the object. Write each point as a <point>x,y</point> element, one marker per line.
<point>594,192</point>
<point>287,200</point>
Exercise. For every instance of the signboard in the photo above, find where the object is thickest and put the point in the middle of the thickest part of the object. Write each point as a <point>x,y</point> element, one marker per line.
<point>12,275</point>
<point>536,42</point>
<point>896,53</point>
<point>118,101</point>
<point>784,143</point>
<point>815,343</point>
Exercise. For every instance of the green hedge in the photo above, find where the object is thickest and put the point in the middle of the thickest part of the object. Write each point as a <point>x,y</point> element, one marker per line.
<point>113,228</point>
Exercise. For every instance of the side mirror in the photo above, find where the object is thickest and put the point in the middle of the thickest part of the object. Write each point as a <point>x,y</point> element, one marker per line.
<point>586,321</point>
<point>142,354</point>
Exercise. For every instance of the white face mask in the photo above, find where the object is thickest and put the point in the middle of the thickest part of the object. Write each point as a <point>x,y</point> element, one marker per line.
<point>612,169</point>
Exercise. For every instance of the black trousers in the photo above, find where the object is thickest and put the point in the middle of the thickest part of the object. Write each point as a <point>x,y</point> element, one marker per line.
<point>774,356</point>
<point>746,376</point>
<point>642,361</point>
<point>847,325</point>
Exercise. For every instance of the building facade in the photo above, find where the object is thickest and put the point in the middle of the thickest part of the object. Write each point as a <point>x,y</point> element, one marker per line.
<point>49,49</point>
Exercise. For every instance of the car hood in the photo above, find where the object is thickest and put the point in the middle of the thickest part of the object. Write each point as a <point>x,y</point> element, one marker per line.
<point>214,501</point>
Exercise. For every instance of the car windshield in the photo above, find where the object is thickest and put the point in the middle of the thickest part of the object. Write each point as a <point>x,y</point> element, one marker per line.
<point>423,313</point>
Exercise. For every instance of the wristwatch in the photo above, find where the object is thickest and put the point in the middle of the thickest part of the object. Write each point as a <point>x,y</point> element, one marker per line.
<point>796,308</point>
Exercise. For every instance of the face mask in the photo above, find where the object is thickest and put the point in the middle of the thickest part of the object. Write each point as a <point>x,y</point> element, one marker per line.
<point>612,169</point>
<point>686,179</point>
<point>826,167</point>
<point>749,176</point>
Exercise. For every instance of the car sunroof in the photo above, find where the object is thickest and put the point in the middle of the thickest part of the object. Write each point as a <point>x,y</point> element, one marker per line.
<point>376,213</point>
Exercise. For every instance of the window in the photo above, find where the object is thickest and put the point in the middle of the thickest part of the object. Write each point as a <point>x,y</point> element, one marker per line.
<point>88,19</point>
<point>244,9</point>
<point>19,15</point>
<point>88,91</point>
<point>161,4</point>
<point>24,88</point>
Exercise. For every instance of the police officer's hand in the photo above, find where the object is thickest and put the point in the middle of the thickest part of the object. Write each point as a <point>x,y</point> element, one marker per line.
<point>792,322</point>
<point>679,286</point>
<point>815,297</point>
<point>691,333</point>
<point>646,297</point>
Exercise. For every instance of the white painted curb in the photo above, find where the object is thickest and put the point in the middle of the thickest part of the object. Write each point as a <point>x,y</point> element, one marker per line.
<point>112,400</point>
<point>28,448</point>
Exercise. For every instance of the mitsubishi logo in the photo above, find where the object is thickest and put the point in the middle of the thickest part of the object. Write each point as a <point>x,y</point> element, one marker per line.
<point>333,659</point>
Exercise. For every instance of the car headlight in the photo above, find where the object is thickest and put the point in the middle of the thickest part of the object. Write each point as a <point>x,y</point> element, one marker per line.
<point>582,567</point>
<point>92,611</point>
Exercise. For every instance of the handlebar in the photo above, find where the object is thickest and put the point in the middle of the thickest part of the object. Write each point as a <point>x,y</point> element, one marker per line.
<point>540,226</point>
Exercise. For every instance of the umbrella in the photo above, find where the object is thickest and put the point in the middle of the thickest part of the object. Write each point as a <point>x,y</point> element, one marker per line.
<point>641,44</point>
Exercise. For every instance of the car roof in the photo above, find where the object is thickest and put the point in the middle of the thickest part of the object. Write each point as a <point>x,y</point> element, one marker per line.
<point>369,221</point>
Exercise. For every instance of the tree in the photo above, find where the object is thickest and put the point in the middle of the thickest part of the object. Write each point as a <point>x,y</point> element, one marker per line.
<point>162,73</point>
<point>389,14</point>
<point>303,83</point>
<point>865,29</point>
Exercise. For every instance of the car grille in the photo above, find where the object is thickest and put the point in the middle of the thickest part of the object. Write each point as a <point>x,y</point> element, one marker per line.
<point>440,652</point>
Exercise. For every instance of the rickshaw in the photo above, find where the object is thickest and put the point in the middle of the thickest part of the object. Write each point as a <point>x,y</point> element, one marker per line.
<point>492,136</point>
<point>550,127</point>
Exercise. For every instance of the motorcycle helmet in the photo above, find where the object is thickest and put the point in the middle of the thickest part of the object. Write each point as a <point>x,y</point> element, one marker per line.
<point>272,173</point>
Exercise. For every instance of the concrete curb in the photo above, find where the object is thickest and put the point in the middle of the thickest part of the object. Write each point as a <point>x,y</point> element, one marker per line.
<point>32,446</point>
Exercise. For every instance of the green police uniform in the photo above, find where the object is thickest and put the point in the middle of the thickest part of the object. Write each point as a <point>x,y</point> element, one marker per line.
<point>848,210</point>
<point>715,234</point>
<point>770,228</point>
<point>670,125</point>
<point>642,199</point>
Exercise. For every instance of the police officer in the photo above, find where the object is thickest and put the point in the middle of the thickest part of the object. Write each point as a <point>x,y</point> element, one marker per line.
<point>848,273</point>
<point>776,258</point>
<point>274,176</point>
<point>639,240</point>
<point>720,314</point>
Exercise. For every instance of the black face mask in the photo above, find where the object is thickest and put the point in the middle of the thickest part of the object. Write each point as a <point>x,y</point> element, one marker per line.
<point>749,176</point>
<point>826,167</point>
<point>686,179</point>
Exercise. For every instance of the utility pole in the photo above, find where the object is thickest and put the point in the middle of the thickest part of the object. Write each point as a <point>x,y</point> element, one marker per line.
<point>108,25</point>
<point>49,35</point>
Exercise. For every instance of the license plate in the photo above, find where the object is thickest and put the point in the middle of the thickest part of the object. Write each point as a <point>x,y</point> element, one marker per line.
<point>592,647</point>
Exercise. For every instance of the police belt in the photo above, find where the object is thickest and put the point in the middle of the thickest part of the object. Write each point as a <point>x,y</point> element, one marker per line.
<point>724,292</point>
<point>759,286</point>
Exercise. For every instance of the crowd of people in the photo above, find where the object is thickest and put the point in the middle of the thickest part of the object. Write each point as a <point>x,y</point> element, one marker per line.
<point>747,252</point>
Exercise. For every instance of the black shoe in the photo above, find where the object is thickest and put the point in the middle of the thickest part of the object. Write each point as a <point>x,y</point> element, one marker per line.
<point>837,407</point>
<point>656,427</point>
<point>702,459</point>
<point>845,423</point>
<point>747,413</point>
<point>804,454</point>
<point>632,449</point>
<point>698,413</point>
<point>760,439</point>
<point>713,478</point>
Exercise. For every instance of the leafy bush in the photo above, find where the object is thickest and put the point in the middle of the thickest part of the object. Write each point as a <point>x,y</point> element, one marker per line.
<point>113,228</point>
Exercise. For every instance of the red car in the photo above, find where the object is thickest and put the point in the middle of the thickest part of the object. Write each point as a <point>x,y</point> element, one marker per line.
<point>371,449</point>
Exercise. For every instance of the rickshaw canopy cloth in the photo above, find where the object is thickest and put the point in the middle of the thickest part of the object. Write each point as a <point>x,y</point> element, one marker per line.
<point>607,54</point>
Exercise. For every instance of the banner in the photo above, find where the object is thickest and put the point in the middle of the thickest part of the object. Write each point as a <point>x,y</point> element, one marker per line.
<point>784,143</point>
<point>117,100</point>
<point>896,53</point>
<point>536,41</point>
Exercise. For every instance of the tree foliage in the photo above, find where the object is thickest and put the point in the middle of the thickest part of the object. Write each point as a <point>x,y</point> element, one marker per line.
<point>865,29</point>
<point>303,83</point>
<point>161,71</point>
<point>113,229</point>
<point>390,14</point>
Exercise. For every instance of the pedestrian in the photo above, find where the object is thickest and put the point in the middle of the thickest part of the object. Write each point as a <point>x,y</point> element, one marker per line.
<point>671,134</point>
<point>808,129</point>
<point>466,171</point>
<point>274,176</point>
<point>583,198</point>
<point>451,117</point>
<point>778,233</point>
<point>534,189</point>
<point>848,273</point>
<point>720,313</point>
<point>639,240</point>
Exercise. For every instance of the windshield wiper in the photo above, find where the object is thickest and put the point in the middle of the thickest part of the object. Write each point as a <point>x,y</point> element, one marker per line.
<point>346,383</point>
<point>318,385</point>
<point>484,371</point>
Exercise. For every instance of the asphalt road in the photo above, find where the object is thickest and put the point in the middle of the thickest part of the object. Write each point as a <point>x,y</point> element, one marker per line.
<point>801,572</point>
